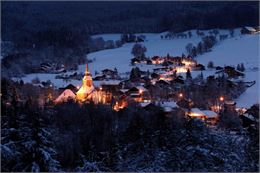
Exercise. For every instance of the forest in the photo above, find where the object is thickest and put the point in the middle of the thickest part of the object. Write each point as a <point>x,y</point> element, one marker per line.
<point>120,17</point>
<point>49,137</point>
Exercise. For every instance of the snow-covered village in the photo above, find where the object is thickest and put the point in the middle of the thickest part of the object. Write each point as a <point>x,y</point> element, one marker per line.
<point>89,89</point>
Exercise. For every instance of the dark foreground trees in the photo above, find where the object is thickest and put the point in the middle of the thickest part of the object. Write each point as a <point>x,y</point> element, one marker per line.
<point>88,137</point>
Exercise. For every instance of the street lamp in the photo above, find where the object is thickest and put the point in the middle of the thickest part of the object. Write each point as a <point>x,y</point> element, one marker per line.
<point>180,95</point>
<point>221,98</point>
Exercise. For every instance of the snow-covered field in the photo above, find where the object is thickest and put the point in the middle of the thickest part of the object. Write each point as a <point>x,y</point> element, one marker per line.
<point>239,49</point>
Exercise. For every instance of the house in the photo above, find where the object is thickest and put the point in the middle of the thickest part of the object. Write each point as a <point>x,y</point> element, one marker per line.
<point>162,83</point>
<point>157,60</point>
<point>184,103</point>
<point>219,68</point>
<point>121,103</point>
<point>110,86</point>
<point>155,76</point>
<point>188,62</point>
<point>229,105</point>
<point>178,80</point>
<point>250,117</point>
<point>99,78</point>
<point>135,61</point>
<point>248,30</point>
<point>199,67</point>
<point>231,72</point>
<point>46,66</point>
<point>65,96</point>
<point>248,120</point>
<point>210,116</point>
<point>167,106</point>
<point>196,113</point>
<point>138,93</point>
<point>134,91</point>
<point>71,87</point>
<point>257,28</point>
<point>109,72</point>
<point>123,91</point>
<point>145,103</point>
<point>140,38</point>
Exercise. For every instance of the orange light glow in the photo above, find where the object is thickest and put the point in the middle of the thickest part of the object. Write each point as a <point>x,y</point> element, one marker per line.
<point>216,108</point>
<point>180,95</point>
<point>119,106</point>
<point>188,63</point>
<point>221,98</point>
<point>181,69</point>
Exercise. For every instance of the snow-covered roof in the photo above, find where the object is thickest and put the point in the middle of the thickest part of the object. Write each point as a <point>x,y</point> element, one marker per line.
<point>196,112</point>
<point>124,90</point>
<point>210,114</point>
<point>167,109</point>
<point>250,28</point>
<point>143,104</point>
<point>250,117</point>
<point>65,95</point>
<point>230,102</point>
<point>135,94</point>
<point>110,82</point>
<point>170,104</point>
<point>141,88</point>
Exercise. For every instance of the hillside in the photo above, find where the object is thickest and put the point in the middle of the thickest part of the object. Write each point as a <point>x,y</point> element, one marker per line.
<point>240,49</point>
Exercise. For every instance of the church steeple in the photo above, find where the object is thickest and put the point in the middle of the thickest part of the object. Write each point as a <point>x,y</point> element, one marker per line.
<point>87,71</point>
<point>87,86</point>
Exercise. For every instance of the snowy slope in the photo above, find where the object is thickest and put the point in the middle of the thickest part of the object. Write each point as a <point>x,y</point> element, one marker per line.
<point>251,95</point>
<point>241,49</point>
<point>229,52</point>
<point>236,50</point>
<point>120,57</point>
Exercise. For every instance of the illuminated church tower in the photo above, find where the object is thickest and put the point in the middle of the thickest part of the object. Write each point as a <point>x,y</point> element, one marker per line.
<point>87,88</point>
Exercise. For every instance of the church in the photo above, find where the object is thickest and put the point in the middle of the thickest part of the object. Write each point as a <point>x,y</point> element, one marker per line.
<point>87,90</point>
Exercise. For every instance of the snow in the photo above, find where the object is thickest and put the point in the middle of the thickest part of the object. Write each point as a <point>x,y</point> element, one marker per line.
<point>141,88</point>
<point>170,104</point>
<point>251,95</point>
<point>106,82</point>
<point>250,28</point>
<point>239,49</point>
<point>196,112</point>
<point>210,114</point>
<point>242,49</point>
<point>143,104</point>
<point>65,95</point>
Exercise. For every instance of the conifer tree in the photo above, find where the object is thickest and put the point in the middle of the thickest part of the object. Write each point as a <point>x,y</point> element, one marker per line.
<point>188,74</point>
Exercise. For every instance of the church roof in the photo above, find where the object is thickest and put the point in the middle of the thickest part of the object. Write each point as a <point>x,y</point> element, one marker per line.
<point>65,95</point>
